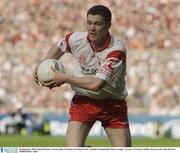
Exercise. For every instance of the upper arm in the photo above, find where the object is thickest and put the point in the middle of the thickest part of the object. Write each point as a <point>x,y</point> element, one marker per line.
<point>62,46</point>
<point>113,68</point>
<point>64,43</point>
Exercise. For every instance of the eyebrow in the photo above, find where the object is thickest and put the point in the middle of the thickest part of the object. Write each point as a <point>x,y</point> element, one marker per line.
<point>94,21</point>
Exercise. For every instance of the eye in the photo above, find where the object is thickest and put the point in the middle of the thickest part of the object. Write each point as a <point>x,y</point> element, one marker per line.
<point>88,22</point>
<point>98,23</point>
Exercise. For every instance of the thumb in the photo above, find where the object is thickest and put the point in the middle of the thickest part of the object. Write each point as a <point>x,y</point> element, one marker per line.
<point>54,69</point>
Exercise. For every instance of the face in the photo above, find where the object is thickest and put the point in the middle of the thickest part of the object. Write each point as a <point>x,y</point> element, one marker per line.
<point>97,27</point>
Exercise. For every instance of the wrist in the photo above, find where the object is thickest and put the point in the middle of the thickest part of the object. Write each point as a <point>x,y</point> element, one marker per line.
<point>68,79</point>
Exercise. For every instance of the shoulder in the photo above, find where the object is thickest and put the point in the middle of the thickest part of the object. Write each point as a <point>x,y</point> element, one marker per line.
<point>76,36</point>
<point>118,44</point>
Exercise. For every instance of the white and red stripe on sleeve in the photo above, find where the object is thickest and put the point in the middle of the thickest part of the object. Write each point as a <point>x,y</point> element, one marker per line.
<point>68,48</point>
<point>111,70</point>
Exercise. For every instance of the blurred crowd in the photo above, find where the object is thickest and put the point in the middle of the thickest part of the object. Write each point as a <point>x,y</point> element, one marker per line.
<point>150,30</point>
<point>153,82</point>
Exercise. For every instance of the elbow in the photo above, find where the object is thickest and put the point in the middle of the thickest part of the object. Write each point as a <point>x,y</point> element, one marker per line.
<point>97,85</point>
<point>95,88</point>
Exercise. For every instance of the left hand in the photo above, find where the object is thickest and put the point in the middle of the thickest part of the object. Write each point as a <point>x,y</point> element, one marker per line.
<point>58,79</point>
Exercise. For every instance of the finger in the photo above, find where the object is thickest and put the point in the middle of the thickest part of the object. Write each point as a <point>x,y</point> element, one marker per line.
<point>57,84</point>
<point>52,86</point>
<point>40,83</point>
<point>35,79</point>
<point>34,74</point>
<point>54,69</point>
<point>35,71</point>
<point>48,84</point>
<point>48,81</point>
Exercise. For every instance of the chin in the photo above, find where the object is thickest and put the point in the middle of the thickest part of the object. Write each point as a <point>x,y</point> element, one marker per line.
<point>93,39</point>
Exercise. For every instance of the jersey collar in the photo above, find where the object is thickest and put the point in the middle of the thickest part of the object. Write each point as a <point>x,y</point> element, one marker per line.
<point>107,42</point>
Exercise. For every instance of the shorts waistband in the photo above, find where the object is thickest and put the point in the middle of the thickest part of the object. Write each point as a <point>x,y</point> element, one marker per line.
<point>86,98</point>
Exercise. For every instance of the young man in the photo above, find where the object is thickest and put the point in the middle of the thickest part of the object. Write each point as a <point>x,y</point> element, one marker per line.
<point>99,85</point>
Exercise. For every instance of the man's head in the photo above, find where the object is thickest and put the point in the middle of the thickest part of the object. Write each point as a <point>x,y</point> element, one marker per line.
<point>98,22</point>
<point>102,11</point>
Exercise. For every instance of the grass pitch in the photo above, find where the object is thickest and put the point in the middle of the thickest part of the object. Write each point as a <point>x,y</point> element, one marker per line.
<point>49,141</point>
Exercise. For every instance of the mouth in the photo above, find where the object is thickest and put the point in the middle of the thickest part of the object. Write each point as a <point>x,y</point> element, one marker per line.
<point>92,34</point>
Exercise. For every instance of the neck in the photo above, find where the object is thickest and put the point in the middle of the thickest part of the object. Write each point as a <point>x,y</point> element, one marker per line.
<point>100,43</point>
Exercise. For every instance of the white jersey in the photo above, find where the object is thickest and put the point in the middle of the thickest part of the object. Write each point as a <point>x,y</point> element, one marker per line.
<point>108,63</point>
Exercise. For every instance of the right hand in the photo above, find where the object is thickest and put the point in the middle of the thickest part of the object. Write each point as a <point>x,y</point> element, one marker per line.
<point>35,78</point>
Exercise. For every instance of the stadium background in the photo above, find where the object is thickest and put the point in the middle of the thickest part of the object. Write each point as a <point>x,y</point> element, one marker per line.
<point>150,30</point>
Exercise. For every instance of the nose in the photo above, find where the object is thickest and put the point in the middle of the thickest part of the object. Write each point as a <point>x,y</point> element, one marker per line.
<point>93,27</point>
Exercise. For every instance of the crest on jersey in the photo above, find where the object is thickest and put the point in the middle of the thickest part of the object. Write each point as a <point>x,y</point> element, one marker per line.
<point>82,58</point>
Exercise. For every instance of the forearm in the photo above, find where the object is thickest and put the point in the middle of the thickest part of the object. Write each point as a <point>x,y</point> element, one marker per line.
<point>86,82</point>
<point>53,53</point>
<point>90,83</point>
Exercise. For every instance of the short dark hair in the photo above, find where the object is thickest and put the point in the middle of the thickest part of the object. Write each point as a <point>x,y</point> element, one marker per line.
<point>101,10</point>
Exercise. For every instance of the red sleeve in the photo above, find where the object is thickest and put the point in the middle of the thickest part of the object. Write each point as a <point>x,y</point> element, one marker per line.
<point>119,55</point>
<point>115,57</point>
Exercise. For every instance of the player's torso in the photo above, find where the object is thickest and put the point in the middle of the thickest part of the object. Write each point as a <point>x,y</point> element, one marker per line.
<point>89,60</point>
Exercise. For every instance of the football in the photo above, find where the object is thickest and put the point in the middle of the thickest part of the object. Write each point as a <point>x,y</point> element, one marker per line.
<point>44,71</point>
